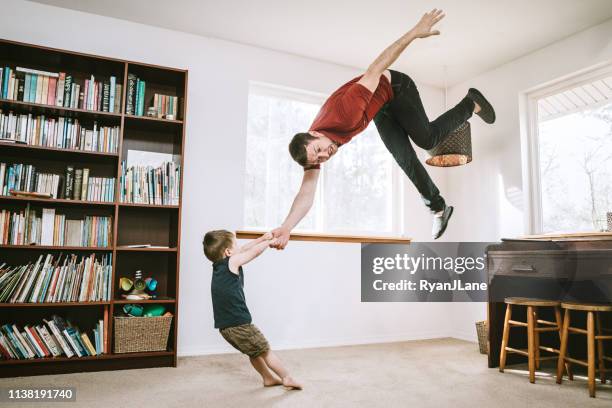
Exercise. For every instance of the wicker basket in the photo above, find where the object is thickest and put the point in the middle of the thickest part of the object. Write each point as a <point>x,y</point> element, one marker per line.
<point>482,332</point>
<point>135,334</point>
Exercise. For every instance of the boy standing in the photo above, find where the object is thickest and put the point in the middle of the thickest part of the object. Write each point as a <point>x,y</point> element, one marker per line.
<point>232,316</point>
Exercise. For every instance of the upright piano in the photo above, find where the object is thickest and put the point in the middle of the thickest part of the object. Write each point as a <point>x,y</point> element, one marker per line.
<point>569,267</point>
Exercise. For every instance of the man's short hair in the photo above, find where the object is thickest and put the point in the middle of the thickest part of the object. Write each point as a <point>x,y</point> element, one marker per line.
<point>216,242</point>
<point>297,147</point>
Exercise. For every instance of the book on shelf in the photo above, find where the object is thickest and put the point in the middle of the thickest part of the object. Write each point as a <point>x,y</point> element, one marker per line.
<point>136,96</point>
<point>78,180</point>
<point>59,89</point>
<point>83,194</point>
<point>48,218</point>
<point>25,180</point>
<point>146,246</point>
<point>118,94</point>
<point>166,105</point>
<point>17,193</point>
<point>57,278</point>
<point>131,94</point>
<point>26,228</point>
<point>53,337</point>
<point>69,185</point>
<point>150,178</point>
<point>60,132</point>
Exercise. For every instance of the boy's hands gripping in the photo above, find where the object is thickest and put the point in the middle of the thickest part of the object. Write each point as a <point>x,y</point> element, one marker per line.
<point>268,236</point>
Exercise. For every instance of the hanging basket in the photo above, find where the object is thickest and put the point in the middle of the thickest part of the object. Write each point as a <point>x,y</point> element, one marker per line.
<point>454,150</point>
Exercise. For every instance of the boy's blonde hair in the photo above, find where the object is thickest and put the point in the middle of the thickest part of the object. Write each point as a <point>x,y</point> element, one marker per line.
<point>216,242</point>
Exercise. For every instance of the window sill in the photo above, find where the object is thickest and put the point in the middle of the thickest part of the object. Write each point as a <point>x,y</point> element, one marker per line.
<point>359,239</point>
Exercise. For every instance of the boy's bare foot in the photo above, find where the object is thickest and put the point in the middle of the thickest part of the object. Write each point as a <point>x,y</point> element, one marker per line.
<point>290,384</point>
<point>476,107</point>
<point>271,382</point>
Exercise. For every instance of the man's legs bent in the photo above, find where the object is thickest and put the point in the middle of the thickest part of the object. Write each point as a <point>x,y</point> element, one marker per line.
<point>408,110</point>
<point>397,142</point>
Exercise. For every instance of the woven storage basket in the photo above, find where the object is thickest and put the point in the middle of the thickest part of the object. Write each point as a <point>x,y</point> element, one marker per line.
<point>134,334</point>
<point>481,330</point>
<point>454,150</point>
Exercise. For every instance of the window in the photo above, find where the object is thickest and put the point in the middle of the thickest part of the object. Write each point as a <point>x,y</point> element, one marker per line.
<point>573,155</point>
<point>356,188</point>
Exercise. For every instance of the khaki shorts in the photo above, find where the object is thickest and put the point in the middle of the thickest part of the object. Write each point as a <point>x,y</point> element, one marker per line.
<point>247,339</point>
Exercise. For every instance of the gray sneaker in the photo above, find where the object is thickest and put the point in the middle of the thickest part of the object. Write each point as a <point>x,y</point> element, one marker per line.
<point>440,223</point>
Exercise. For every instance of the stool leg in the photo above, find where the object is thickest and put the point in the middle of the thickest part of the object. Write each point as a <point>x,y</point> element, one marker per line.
<point>536,338</point>
<point>591,352</point>
<point>600,350</point>
<point>504,344</point>
<point>567,364</point>
<point>563,347</point>
<point>531,344</point>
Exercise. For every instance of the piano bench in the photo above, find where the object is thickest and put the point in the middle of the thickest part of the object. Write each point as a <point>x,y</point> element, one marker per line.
<point>595,336</point>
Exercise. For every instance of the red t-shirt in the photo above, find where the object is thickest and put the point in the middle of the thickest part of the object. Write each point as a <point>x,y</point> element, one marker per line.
<point>349,110</point>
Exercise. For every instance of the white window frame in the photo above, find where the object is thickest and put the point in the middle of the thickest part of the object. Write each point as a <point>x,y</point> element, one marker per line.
<point>395,202</point>
<point>529,121</point>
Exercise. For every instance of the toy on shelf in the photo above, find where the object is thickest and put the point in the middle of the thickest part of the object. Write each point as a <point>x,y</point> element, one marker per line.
<point>138,288</point>
<point>150,310</point>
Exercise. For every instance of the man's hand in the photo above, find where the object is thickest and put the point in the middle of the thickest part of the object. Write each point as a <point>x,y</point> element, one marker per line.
<point>423,28</point>
<point>281,236</point>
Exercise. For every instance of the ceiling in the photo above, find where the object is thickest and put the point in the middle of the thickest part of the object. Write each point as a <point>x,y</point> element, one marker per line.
<point>476,35</point>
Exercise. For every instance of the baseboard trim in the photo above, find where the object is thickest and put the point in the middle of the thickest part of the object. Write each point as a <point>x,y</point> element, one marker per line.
<point>316,343</point>
<point>465,335</point>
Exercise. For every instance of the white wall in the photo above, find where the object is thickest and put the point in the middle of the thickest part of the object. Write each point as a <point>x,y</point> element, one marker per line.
<point>307,295</point>
<point>488,193</point>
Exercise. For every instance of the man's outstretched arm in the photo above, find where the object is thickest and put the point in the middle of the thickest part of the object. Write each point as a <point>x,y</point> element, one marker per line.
<point>422,29</point>
<point>300,207</point>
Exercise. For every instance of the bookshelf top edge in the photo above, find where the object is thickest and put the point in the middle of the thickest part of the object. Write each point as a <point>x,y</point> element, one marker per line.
<point>92,56</point>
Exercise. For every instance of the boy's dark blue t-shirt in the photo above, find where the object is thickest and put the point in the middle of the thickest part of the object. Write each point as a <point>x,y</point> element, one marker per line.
<point>229,304</point>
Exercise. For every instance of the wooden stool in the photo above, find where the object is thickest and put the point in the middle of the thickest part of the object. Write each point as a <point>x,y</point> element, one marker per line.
<point>533,332</point>
<point>593,320</point>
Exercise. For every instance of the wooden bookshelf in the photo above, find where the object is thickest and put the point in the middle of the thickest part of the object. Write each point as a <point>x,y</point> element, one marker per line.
<point>157,225</point>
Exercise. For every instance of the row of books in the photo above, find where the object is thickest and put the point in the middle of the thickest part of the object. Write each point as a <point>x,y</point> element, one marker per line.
<point>60,89</point>
<point>150,185</point>
<point>80,186</point>
<point>53,279</point>
<point>135,98</point>
<point>165,105</point>
<point>54,337</point>
<point>64,133</point>
<point>21,177</point>
<point>77,184</point>
<point>28,227</point>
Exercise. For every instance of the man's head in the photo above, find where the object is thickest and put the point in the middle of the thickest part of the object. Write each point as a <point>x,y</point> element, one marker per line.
<point>218,244</point>
<point>311,148</point>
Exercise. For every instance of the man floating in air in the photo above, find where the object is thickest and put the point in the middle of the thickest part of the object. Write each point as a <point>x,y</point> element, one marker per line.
<point>391,99</point>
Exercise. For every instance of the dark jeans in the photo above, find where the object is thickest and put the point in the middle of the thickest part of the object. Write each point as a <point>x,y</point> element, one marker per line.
<point>403,117</point>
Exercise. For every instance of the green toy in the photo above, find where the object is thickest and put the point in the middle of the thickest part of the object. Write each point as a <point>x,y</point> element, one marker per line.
<point>133,310</point>
<point>152,310</point>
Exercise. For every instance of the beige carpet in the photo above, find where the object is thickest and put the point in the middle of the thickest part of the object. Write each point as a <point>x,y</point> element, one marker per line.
<point>429,373</point>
